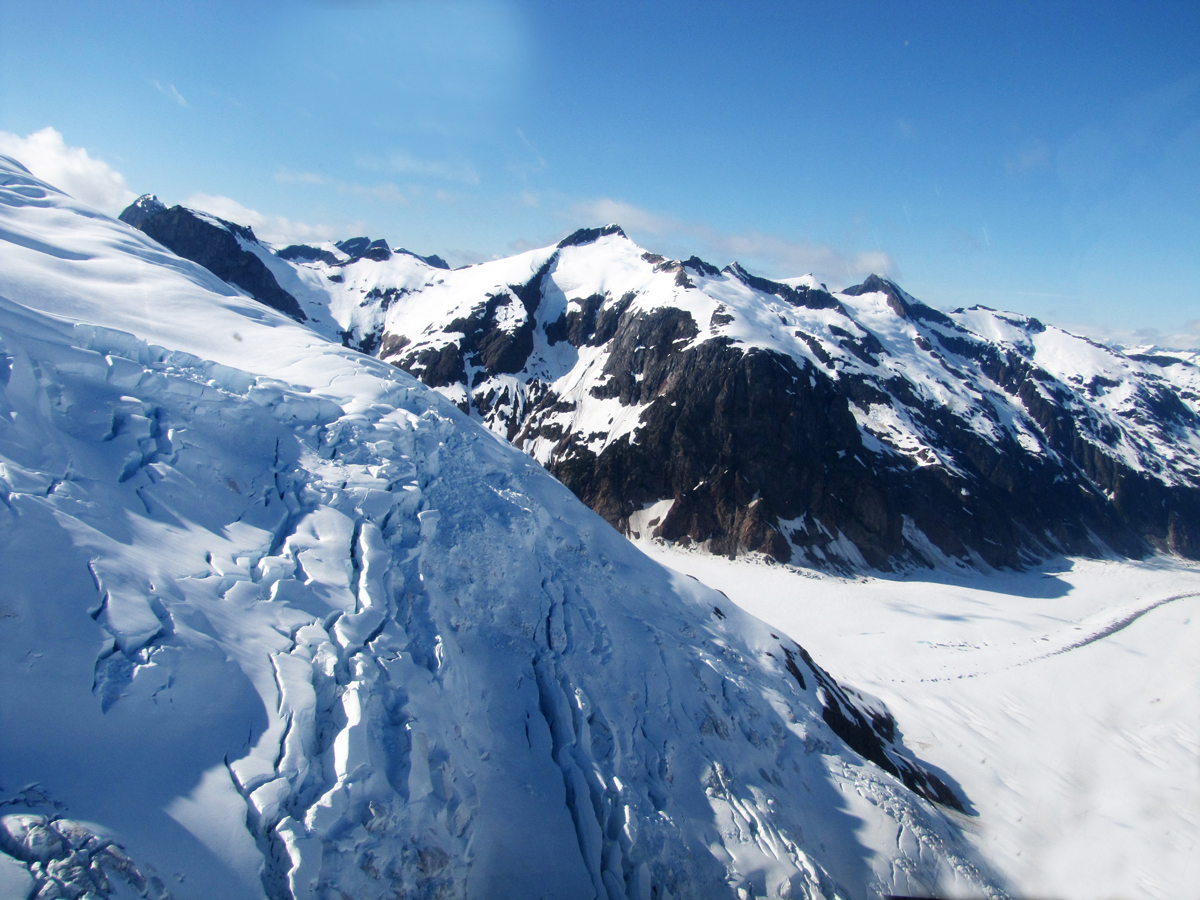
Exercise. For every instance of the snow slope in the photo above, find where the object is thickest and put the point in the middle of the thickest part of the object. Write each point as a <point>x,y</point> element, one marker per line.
<point>1065,700</point>
<point>279,621</point>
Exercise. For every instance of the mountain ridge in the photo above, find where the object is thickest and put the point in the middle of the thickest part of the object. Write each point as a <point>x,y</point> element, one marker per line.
<point>883,433</point>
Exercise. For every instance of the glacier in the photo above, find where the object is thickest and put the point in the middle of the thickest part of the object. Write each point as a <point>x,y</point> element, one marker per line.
<point>279,621</point>
<point>1066,699</point>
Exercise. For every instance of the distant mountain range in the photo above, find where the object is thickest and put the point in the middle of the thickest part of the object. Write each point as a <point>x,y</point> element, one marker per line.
<point>838,429</point>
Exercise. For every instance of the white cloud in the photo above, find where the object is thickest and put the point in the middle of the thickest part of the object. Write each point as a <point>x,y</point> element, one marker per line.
<point>1183,337</point>
<point>609,212</point>
<point>403,163</point>
<point>828,264</point>
<point>276,229</point>
<point>70,169</point>
<point>447,170</point>
<point>171,92</point>
<point>769,254</point>
<point>383,192</point>
<point>1032,155</point>
<point>291,176</point>
<point>539,160</point>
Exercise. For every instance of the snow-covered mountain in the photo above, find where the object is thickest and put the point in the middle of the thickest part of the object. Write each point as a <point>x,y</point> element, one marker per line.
<point>277,620</point>
<point>834,429</point>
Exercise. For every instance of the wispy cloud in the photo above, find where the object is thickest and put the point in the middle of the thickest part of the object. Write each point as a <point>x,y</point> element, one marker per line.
<point>276,229</point>
<point>70,169</point>
<point>384,192</point>
<point>607,211</point>
<point>774,255</point>
<point>1184,337</point>
<point>291,176</point>
<point>447,170</point>
<point>1033,155</point>
<point>171,92</point>
<point>539,160</point>
<point>402,163</point>
<point>381,192</point>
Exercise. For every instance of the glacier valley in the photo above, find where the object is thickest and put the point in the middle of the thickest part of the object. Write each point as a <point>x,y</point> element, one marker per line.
<point>278,620</point>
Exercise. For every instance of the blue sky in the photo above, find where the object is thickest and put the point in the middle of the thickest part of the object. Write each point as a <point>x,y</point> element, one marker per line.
<point>1040,157</point>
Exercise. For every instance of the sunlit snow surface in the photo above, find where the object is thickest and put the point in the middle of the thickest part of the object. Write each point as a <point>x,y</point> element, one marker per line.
<point>1065,701</point>
<point>276,620</point>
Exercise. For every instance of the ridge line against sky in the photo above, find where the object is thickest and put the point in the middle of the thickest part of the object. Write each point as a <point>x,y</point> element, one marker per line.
<point>1043,158</point>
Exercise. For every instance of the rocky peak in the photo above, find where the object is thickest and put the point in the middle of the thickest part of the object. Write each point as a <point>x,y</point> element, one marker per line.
<point>700,267</point>
<point>812,298</point>
<point>876,284</point>
<point>364,248</point>
<point>141,209</point>
<point>903,303</point>
<point>306,253</point>
<point>431,260</point>
<point>590,235</point>
<point>354,247</point>
<point>213,243</point>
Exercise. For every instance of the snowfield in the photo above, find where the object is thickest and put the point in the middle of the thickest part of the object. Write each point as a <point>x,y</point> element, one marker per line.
<point>1066,701</point>
<point>277,621</point>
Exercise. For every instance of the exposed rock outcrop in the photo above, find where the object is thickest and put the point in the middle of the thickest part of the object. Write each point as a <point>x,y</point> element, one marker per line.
<point>213,243</point>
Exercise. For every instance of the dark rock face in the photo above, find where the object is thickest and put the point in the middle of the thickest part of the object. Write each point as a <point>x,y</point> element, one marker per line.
<point>214,246</point>
<point>710,438</point>
<point>869,731</point>
<point>378,251</point>
<point>486,345</point>
<point>700,267</point>
<point>305,253</point>
<point>144,207</point>
<point>589,236</point>
<point>745,441</point>
<point>365,248</point>
<point>354,247</point>
<point>432,260</point>
<point>801,296</point>
<point>1088,490</point>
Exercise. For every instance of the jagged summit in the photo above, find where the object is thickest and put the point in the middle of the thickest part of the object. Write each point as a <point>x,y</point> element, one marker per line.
<point>432,259</point>
<point>590,235</point>
<point>797,295</point>
<point>700,267</point>
<point>306,253</point>
<point>365,248</point>
<point>144,207</point>
<point>899,301</point>
<point>873,284</point>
